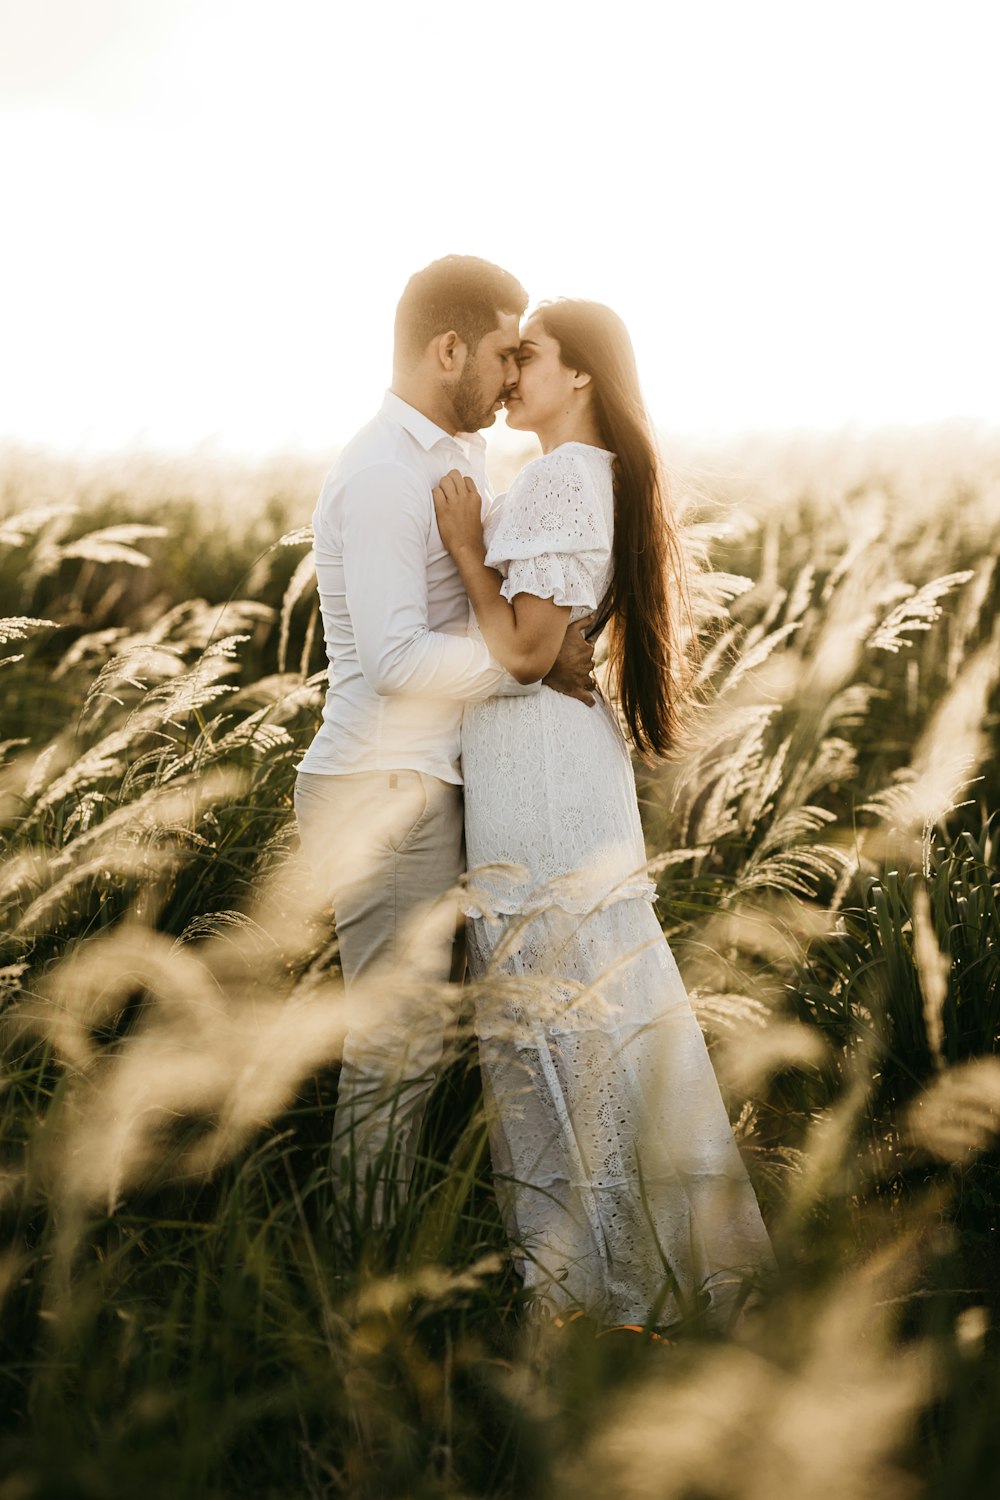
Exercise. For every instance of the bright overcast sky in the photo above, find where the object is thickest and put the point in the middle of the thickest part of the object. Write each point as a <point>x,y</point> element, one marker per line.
<point>212,205</point>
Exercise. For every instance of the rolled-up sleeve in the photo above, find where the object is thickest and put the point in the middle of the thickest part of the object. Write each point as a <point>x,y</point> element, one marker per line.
<point>385,542</point>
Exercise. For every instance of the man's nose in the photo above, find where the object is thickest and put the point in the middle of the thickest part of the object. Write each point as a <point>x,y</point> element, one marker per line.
<point>512,373</point>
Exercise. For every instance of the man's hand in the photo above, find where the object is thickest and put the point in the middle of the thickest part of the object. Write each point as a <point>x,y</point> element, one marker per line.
<point>572,671</point>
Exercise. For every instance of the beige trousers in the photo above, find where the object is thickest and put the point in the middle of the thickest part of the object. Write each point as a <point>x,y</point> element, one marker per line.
<point>384,847</point>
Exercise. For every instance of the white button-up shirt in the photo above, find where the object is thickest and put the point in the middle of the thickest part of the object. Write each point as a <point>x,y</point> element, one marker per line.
<point>395,612</point>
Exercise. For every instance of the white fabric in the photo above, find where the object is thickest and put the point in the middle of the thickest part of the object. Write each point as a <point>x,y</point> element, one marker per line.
<point>621,1183</point>
<point>395,614</point>
<point>550,769</point>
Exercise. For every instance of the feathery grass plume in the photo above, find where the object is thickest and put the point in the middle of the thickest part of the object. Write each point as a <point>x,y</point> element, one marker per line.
<point>828,1394</point>
<point>296,538</point>
<point>217,1051</point>
<point>113,544</point>
<point>388,1296</point>
<point>831,768</point>
<point>715,653</point>
<point>141,839</point>
<point>712,593</point>
<point>181,1101</point>
<point>848,708</point>
<point>256,730</point>
<point>94,984</point>
<point>958,1116</point>
<point>19,627</point>
<point>237,927</point>
<point>932,967</point>
<point>19,528</point>
<point>712,787</point>
<point>135,666</point>
<point>671,857</point>
<point>309,638</point>
<point>727,1011</point>
<point>83,813</point>
<point>755,653</point>
<point>832,644</point>
<point>919,610</point>
<point>830,1160</point>
<point>200,685</point>
<point>950,750</point>
<point>197,622</point>
<point>801,594</point>
<point>752,1054</point>
<point>859,541</point>
<point>103,760</point>
<point>185,691</point>
<point>302,579</point>
<point>786,858</point>
<point>93,644</point>
<point>113,865</point>
<point>753,944</point>
<point>51,549</point>
<point>284,694</point>
<point>44,555</point>
<point>974,610</point>
<point>759,801</point>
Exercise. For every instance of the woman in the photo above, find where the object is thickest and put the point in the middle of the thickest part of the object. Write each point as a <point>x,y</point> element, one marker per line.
<point>622,1187</point>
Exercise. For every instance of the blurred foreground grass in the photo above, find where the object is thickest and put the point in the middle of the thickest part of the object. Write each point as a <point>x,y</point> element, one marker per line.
<point>189,1308</point>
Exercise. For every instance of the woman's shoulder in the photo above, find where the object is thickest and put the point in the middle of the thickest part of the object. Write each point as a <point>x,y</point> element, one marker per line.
<point>567,470</point>
<point>564,499</point>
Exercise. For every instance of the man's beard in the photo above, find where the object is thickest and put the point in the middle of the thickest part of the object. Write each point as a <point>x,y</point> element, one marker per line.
<point>472,410</point>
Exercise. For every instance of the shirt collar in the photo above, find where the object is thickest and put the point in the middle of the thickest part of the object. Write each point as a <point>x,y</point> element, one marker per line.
<point>426,432</point>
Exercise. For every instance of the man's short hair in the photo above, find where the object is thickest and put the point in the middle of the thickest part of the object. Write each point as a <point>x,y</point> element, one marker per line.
<point>459,292</point>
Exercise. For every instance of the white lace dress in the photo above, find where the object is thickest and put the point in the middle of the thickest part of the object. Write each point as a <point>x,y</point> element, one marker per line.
<point>620,1181</point>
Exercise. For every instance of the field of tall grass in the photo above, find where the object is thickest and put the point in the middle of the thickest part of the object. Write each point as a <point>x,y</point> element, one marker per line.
<point>188,1306</point>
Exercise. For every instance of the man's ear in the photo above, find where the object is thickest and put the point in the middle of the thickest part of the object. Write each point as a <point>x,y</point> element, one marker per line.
<point>450,351</point>
<point>580,379</point>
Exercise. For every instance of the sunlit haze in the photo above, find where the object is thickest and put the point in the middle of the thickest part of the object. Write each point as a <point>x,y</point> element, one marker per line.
<point>212,206</point>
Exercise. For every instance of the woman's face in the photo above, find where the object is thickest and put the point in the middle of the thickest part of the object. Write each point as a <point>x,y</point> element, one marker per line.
<point>544,384</point>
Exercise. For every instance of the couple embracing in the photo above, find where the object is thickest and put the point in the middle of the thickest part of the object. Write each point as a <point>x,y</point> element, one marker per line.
<point>463,729</point>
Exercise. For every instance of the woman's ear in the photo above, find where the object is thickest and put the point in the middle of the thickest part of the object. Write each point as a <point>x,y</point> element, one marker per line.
<point>580,379</point>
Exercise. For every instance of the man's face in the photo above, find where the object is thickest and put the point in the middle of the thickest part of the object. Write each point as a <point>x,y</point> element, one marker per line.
<point>487,376</point>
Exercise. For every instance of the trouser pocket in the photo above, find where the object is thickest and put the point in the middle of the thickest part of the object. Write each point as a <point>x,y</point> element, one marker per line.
<point>408,807</point>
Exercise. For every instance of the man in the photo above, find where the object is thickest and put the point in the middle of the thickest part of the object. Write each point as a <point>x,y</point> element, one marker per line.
<point>378,794</point>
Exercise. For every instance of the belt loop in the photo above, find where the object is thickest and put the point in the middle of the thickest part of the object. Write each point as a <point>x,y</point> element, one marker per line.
<point>393,781</point>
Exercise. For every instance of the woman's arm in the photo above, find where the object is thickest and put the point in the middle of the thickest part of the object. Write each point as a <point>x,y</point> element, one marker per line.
<point>382,567</point>
<point>525,635</point>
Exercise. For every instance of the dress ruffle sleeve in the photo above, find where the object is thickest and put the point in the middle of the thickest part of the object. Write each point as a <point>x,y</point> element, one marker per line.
<point>551,536</point>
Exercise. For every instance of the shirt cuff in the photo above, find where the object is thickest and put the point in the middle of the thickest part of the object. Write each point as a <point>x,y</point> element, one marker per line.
<point>509,687</point>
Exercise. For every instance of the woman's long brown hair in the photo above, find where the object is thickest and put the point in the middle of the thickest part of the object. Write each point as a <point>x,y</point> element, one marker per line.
<point>648,587</point>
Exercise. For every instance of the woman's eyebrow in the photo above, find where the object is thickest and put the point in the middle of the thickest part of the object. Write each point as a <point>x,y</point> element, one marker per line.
<point>528,344</point>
